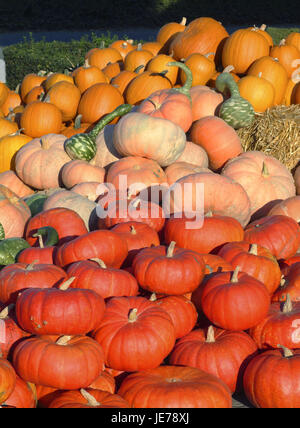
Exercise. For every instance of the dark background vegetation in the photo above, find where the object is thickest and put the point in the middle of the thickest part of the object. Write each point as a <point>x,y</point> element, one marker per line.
<point>17,15</point>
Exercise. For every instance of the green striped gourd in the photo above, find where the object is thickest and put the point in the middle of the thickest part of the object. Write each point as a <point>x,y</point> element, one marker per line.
<point>236,111</point>
<point>186,88</point>
<point>10,248</point>
<point>83,146</point>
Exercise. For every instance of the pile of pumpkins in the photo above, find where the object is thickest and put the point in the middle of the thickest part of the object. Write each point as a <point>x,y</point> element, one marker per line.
<point>143,307</point>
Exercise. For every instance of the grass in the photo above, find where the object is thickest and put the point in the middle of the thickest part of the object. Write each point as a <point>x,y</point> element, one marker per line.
<point>280,33</point>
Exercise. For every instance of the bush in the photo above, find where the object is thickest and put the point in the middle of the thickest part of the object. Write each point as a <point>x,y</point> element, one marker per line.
<point>31,56</point>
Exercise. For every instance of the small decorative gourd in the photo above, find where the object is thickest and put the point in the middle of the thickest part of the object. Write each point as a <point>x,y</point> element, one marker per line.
<point>83,146</point>
<point>10,247</point>
<point>236,111</point>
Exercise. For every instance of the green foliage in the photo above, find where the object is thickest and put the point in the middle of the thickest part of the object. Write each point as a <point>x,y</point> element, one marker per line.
<point>32,56</point>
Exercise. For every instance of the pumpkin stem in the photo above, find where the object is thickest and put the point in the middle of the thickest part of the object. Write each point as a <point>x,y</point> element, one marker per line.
<point>133,230</point>
<point>282,42</point>
<point>209,213</point>
<point>210,337</point>
<point>171,248</point>
<point>65,285</point>
<point>153,297</point>
<point>209,54</point>
<point>50,234</point>
<point>63,340</point>
<point>288,305</point>
<point>4,313</point>
<point>265,171</point>
<point>287,353</point>
<point>89,398</point>
<point>253,249</point>
<point>234,277</point>
<point>263,27</point>
<point>86,63</point>
<point>183,21</point>
<point>100,262</point>
<point>77,121</point>
<point>139,47</point>
<point>186,88</point>
<point>31,265</point>
<point>132,317</point>
<point>138,69</point>
<point>44,144</point>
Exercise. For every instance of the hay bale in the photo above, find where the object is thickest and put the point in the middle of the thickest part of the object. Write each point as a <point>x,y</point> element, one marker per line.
<point>275,132</point>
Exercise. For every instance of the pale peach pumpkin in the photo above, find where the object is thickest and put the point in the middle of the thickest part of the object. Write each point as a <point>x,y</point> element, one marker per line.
<point>78,171</point>
<point>264,178</point>
<point>39,162</point>
<point>194,154</point>
<point>205,102</point>
<point>90,190</point>
<point>181,169</point>
<point>297,179</point>
<point>10,180</point>
<point>14,213</point>
<point>138,134</point>
<point>106,153</point>
<point>217,138</point>
<point>289,207</point>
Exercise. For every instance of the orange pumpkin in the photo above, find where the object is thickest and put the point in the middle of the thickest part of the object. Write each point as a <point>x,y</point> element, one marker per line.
<point>262,31</point>
<point>112,69</point>
<point>287,55</point>
<point>242,48</point>
<point>217,138</point>
<point>4,91</point>
<point>168,32</point>
<point>41,118</point>
<point>7,127</point>
<point>13,100</point>
<point>153,47</point>
<point>201,66</point>
<point>143,85</point>
<point>258,91</point>
<point>158,64</point>
<point>87,75</point>
<point>100,57</point>
<point>295,97</point>
<point>9,146</point>
<point>123,46</point>
<point>122,80</point>
<point>35,94</point>
<point>272,71</point>
<point>65,96</point>
<point>56,77</point>
<point>293,39</point>
<point>289,92</point>
<point>77,127</point>
<point>137,57</point>
<point>99,100</point>
<point>30,81</point>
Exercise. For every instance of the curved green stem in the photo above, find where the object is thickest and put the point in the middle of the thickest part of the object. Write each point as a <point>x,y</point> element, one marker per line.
<point>186,88</point>
<point>50,235</point>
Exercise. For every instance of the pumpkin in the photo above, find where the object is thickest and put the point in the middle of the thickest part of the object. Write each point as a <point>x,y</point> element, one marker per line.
<point>258,91</point>
<point>85,208</point>
<point>266,387</point>
<point>159,63</point>
<point>177,170</point>
<point>153,47</point>
<point>78,171</point>
<point>77,127</point>
<point>265,179</point>
<point>217,138</point>
<point>102,244</point>
<point>11,332</point>
<point>66,97</point>
<point>83,145</point>
<point>154,269</point>
<point>154,138</point>
<point>297,179</point>
<point>138,235</point>
<point>224,296</point>
<point>293,39</point>
<point>106,154</point>
<point>122,80</point>
<point>123,46</point>
<point>194,154</point>
<point>181,310</point>
<point>55,361</point>
<point>38,162</point>
<point>13,100</point>
<point>280,234</point>
<point>274,72</point>
<point>11,180</point>
<point>167,33</point>
<point>53,78</point>
<point>99,100</point>
<point>30,81</point>
<point>221,353</point>
<point>140,174</point>
<point>4,91</point>
<point>242,48</point>
<point>287,55</point>
<point>144,84</point>
<point>62,311</point>
<point>89,189</point>
<point>289,207</point>
<point>17,277</point>
<point>195,194</point>
<point>23,395</point>
<point>205,102</point>
<point>213,232</point>
<point>229,69</point>
<point>281,325</point>
<point>202,35</point>
<point>112,69</point>
<point>67,223</point>
<point>88,398</point>
<point>40,118</point>
<point>45,252</point>
<point>135,320</point>
<point>35,94</point>
<point>262,30</point>
<point>201,66</point>
<point>175,387</point>
<point>7,127</point>
<point>107,282</point>
<point>7,379</point>
<point>100,57</point>
<point>88,75</point>
<point>168,103</point>
<point>296,93</point>
<point>9,146</point>
<point>12,207</point>
<point>290,284</point>
<point>254,260</point>
<point>236,110</point>
<point>136,58</point>
<point>290,91</point>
